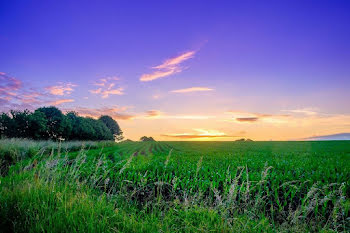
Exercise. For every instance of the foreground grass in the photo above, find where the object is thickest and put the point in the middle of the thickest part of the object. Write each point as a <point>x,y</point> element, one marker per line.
<point>15,149</point>
<point>32,204</point>
<point>180,187</point>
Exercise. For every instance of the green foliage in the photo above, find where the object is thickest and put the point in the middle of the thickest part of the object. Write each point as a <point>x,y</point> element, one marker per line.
<point>51,123</point>
<point>57,125</point>
<point>37,125</point>
<point>113,126</point>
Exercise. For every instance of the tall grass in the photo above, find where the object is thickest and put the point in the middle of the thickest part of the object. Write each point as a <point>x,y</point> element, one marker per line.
<point>13,150</point>
<point>172,191</point>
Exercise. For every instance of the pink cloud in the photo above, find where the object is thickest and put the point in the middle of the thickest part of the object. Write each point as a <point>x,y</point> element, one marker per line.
<point>8,85</point>
<point>169,67</point>
<point>159,74</point>
<point>61,101</point>
<point>61,89</point>
<point>117,113</point>
<point>248,117</point>
<point>106,87</point>
<point>176,60</point>
<point>103,81</point>
<point>192,89</point>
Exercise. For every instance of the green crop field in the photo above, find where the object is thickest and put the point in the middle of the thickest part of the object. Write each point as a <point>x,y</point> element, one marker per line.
<point>174,186</point>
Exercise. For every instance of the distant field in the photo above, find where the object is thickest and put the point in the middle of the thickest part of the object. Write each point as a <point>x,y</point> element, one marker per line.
<point>175,186</point>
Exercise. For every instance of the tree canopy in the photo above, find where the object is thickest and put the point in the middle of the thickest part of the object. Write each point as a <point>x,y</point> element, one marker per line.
<point>147,139</point>
<point>51,123</point>
<point>113,126</point>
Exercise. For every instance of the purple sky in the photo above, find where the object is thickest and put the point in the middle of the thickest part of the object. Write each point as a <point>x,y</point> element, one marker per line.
<point>183,69</point>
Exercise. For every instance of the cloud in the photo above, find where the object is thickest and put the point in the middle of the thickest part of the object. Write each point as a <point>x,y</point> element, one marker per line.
<point>8,86</point>
<point>156,114</point>
<point>61,89</point>
<point>305,111</point>
<point>30,97</point>
<point>247,117</point>
<point>159,74</point>
<point>103,81</point>
<point>156,97</point>
<point>192,89</point>
<point>114,111</point>
<point>176,60</point>
<point>107,87</point>
<point>202,133</point>
<point>169,67</point>
<point>153,113</point>
<point>61,101</point>
<point>14,95</point>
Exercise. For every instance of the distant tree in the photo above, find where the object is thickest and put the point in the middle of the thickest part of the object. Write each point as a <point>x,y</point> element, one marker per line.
<point>147,139</point>
<point>240,140</point>
<point>57,123</point>
<point>20,123</point>
<point>85,129</point>
<point>37,125</point>
<point>101,130</point>
<point>73,119</point>
<point>5,125</point>
<point>113,126</point>
<point>51,123</point>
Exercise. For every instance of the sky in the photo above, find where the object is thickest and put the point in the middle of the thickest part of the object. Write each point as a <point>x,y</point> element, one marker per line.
<point>183,70</point>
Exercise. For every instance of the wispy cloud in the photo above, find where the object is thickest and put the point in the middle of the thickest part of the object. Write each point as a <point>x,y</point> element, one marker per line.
<point>61,89</point>
<point>31,97</point>
<point>169,67</point>
<point>305,111</point>
<point>175,60</point>
<point>104,81</point>
<point>247,117</point>
<point>107,87</point>
<point>192,89</point>
<point>8,86</point>
<point>201,133</point>
<point>61,101</point>
<point>159,74</point>
<point>156,114</point>
<point>115,112</point>
<point>156,96</point>
<point>15,95</point>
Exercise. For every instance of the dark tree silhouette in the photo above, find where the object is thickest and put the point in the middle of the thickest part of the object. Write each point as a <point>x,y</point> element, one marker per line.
<point>147,139</point>
<point>113,126</point>
<point>51,123</point>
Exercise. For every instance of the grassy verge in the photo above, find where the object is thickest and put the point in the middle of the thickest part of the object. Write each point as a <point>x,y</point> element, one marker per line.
<point>150,187</point>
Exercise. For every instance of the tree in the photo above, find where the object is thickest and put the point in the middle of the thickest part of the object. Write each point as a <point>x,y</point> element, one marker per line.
<point>113,126</point>
<point>51,123</point>
<point>20,123</point>
<point>147,139</point>
<point>85,129</point>
<point>73,119</point>
<point>57,124</point>
<point>37,125</point>
<point>5,125</point>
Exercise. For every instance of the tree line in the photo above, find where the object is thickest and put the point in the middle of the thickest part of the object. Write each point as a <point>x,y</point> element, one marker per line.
<point>50,123</point>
